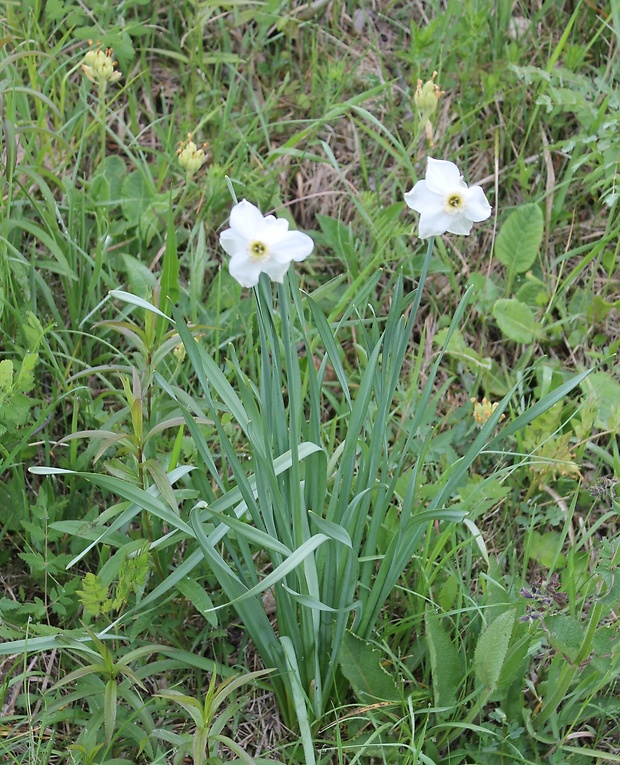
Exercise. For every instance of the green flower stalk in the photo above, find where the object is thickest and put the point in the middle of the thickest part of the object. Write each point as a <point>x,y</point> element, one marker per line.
<point>426,98</point>
<point>99,67</point>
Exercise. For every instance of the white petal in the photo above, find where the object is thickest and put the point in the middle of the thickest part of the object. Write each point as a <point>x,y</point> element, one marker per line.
<point>274,270</point>
<point>294,246</point>
<point>435,222</point>
<point>477,208</point>
<point>274,230</point>
<point>232,243</point>
<point>441,176</point>
<point>459,224</point>
<point>280,223</point>
<point>245,270</point>
<point>246,220</point>
<point>423,200</point>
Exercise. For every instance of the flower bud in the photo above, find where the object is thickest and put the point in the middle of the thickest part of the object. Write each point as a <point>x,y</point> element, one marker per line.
<point>483,410</point>
<point>98,65</point>
<point>426,97</point>
<point>191,158</point>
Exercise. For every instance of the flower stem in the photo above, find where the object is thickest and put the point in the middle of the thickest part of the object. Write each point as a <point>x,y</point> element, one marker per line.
<point>102,119</point>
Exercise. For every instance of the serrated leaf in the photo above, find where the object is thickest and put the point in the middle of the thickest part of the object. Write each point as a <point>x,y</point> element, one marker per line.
<point>519,239</point>
<point>492,649</point>
<point>25,378</point>
<point>94,595</point>
<point>361,665</point>
<point>516,320</point>
<point>446,668</point>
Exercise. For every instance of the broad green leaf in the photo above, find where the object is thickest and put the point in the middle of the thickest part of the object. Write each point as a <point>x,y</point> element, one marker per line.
<point>115,171</point>
<point>448,592</point>
<point>605,391</point>
<point>136,196</point>
<point>606,645</point>
<point>486,291</point>
<point>139,275</point>
<point>361,664</point>
<point>99,190</point>
<point>150,223</point>
<point>611,596</point>
<point>565,634</point>
<point>515,664</point>
<point>545,548</point>
<point>516,320</point>
<point>6,374</point>
<point>492,649</point>
<point>496,598</point>
<point>533,292</point>
<point>446,667</point>
<point>519,238</point>
<point>458,348</point>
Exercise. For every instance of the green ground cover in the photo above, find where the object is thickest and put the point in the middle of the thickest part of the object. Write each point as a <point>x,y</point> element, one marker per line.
<point>365,515</point>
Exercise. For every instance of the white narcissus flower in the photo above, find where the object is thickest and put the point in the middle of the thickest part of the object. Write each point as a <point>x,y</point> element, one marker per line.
<point>261,244</point>
<point>445,202</point>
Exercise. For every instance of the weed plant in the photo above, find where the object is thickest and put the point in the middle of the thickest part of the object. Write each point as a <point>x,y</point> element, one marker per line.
<point>368,514</point>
